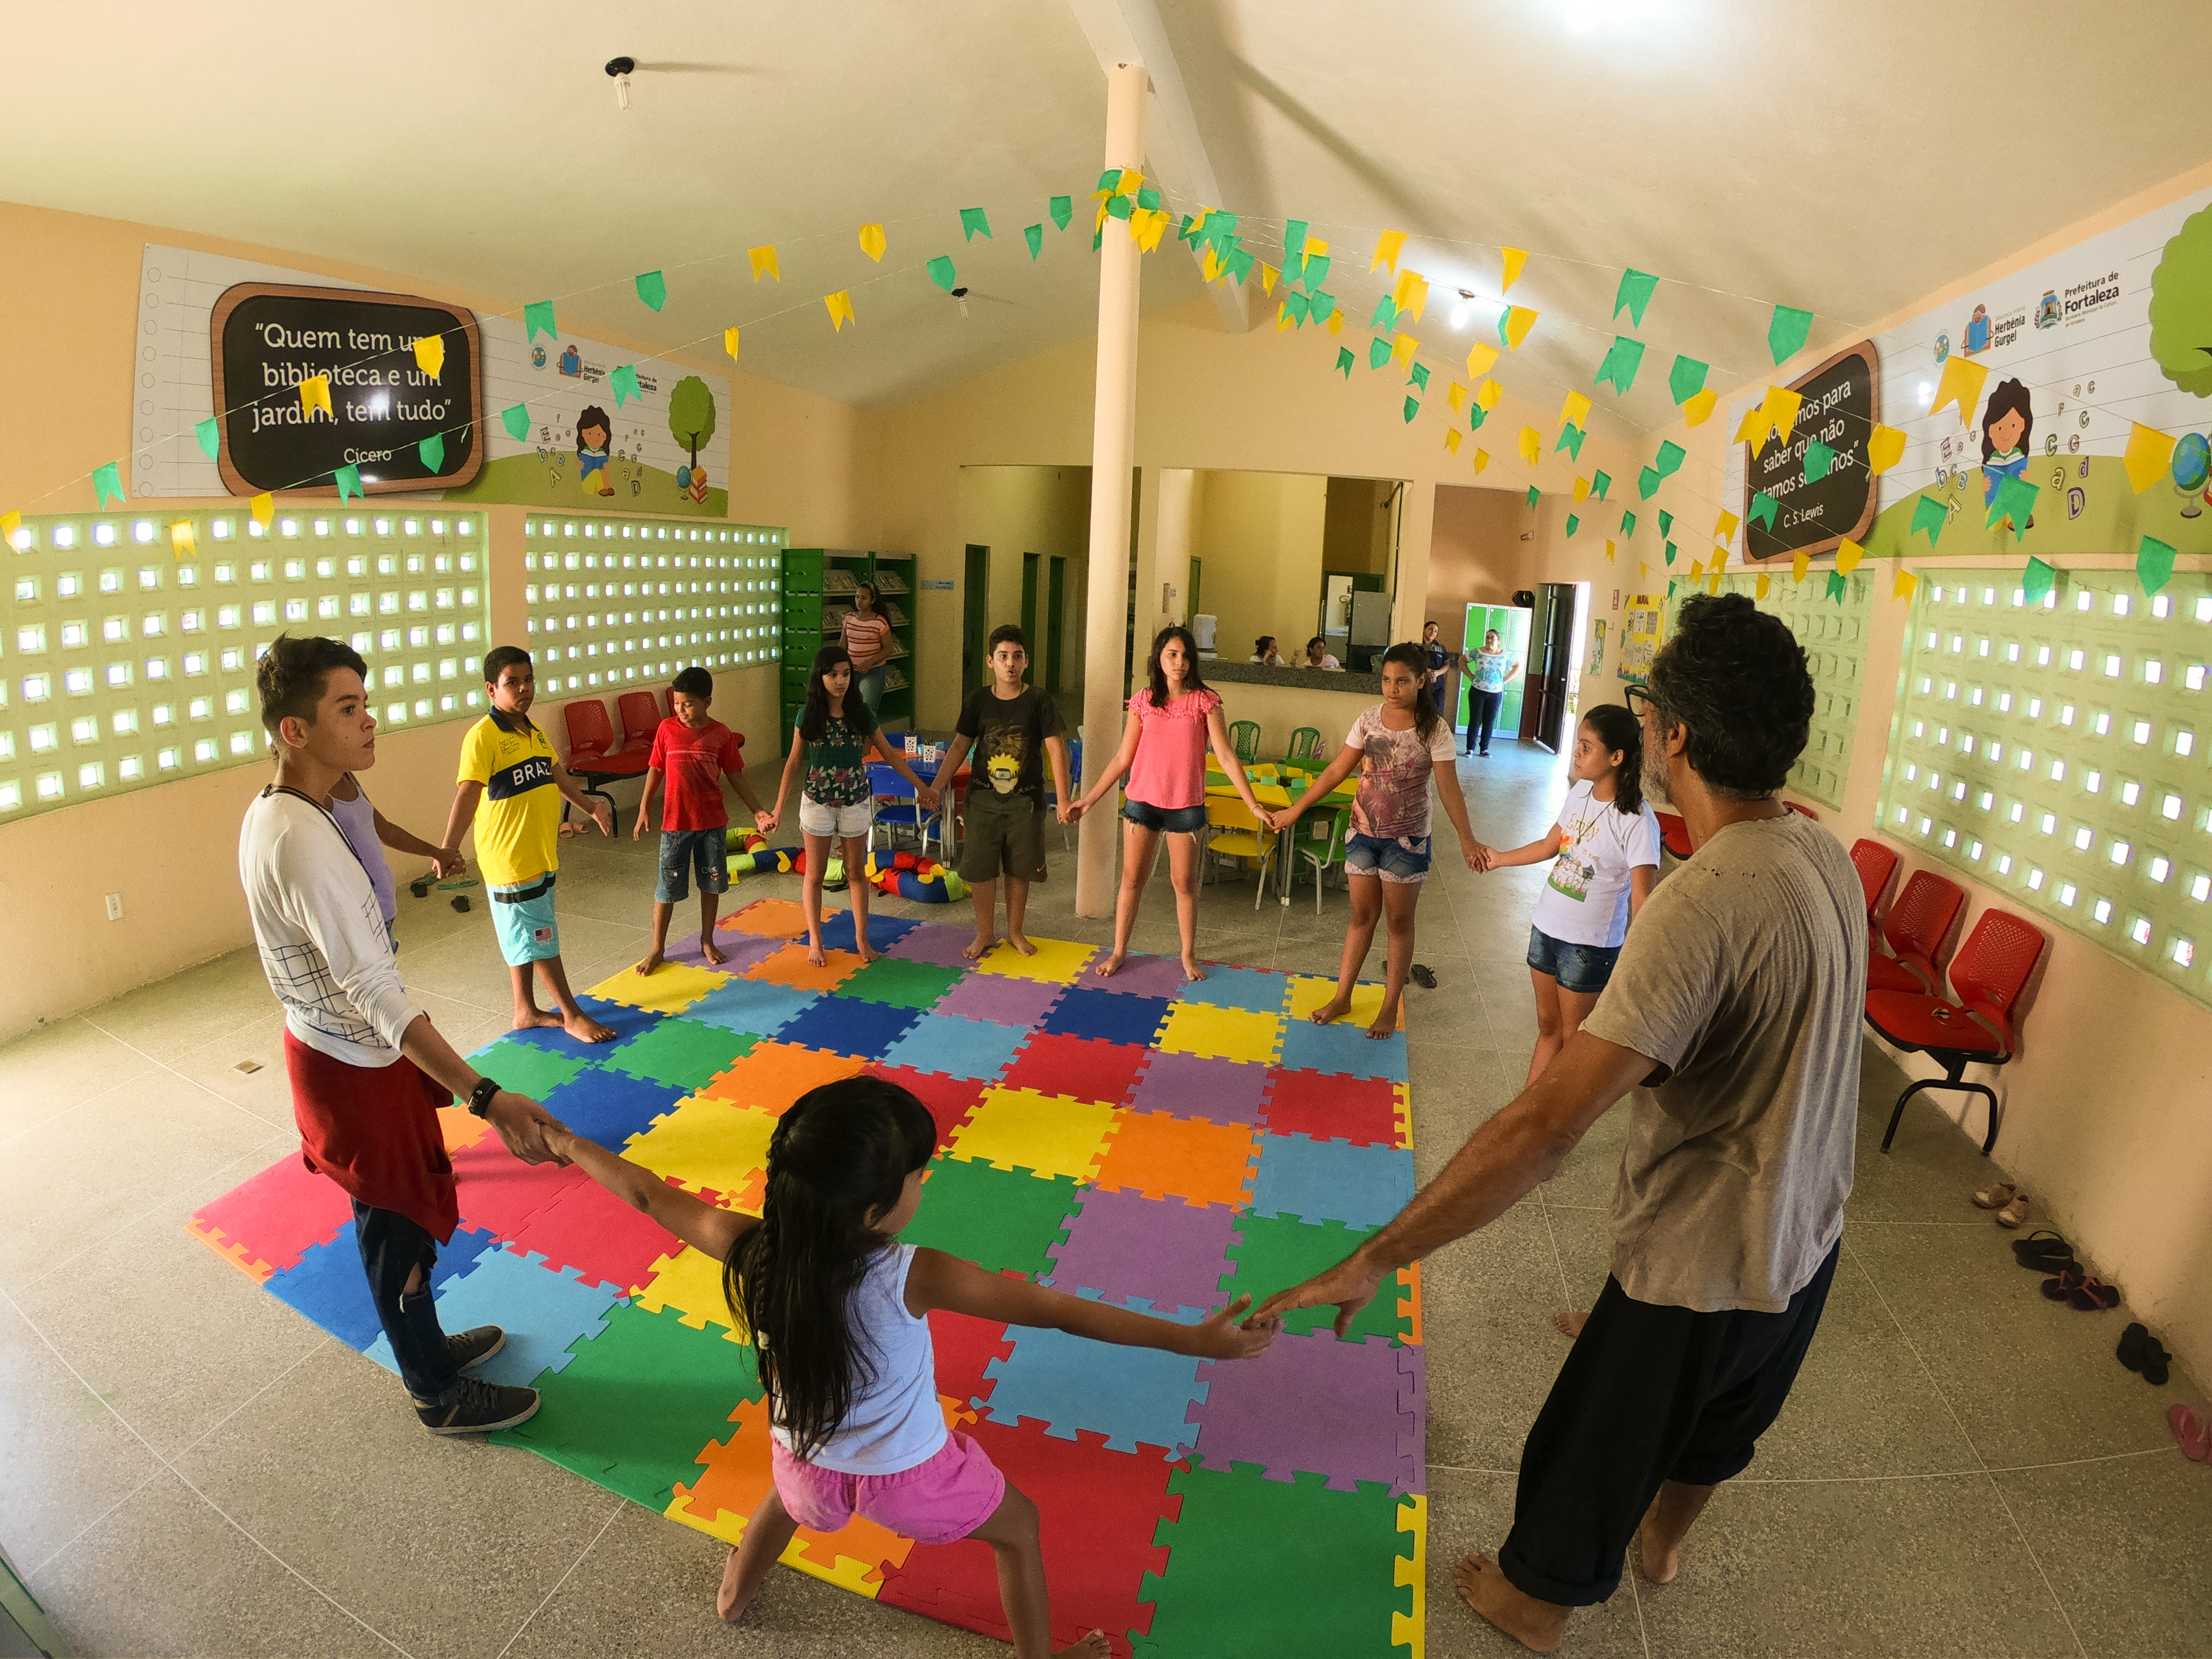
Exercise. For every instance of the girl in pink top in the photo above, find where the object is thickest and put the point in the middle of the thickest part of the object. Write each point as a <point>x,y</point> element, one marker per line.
<point>1164,753</point>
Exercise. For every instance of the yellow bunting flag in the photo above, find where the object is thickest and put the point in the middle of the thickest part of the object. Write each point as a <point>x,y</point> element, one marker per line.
<point>1155,223</point>
<point>1267,274</point>
<point>1799,564</point>
<point>1532,445</point>
<point>763,259</point>
<point>1403,348</point>
<point>1575,410</point>
<point>1132,182</point>
<point>1336,320</point>
<point>1712,581</point>
<point>264,508</point>
<point>1388,246</point>
<point>1903,587</point>
<point>314,394</point>
<point>1753,427</point>
<point>1481,460</point>
<point>1697,568</point>
<point>1487,394</point>
<point>1781,407</point>
<point>2150,452</point>
<point>1720,558</point>
<point>840,309</point>
<point>1642,570</point>
<point>1212,267</point>
<point>1282,316</point>
<point>1608,552</point>
<point>1519,320</point>
<point>10,523</point>
<point>1760,592</point>
<point>184,539</point>
<point>1885,449</point>
<point>1451,439</point>
<point>1699,409</point>
<point>1724,526</point>
<point>1315,247</point>
<point>1848,555</point>
<point>1582,487</point>
<point>1514,258</point>
<point>872,242</point>
<point>730,341</point>
<point>1960,384</point>
<point>430,355</point>
<point>1479,358</point>
<point>1411,294</point>
<point>1457,398</point>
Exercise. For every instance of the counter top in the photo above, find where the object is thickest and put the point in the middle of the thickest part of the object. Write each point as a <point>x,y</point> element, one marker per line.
<point>1220,670</point>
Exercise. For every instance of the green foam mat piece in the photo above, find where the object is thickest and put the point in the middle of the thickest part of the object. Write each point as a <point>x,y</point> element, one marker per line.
<point>1000,1219</point>
<point>635,1405</point>
<point>1280,1250</point>
<point>526,1069</point>
<point>1324,1561</point>
<point>901,984</point>
<point>683,1054</point>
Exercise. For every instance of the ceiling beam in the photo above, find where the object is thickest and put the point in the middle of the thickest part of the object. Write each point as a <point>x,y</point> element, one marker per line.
<point>1130,32</point>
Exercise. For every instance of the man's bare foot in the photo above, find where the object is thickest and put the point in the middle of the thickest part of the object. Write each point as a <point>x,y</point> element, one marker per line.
<point>1112,965</point>
<point>979,946</point>
<point>1570,1321</point>
<point>1386,1022</point>
<point>1658,1565</point>
<point>1093,1646</point>
<point>816,957</point>
<point>1331,1010</point>
<point>1539,1625</point>
<point>716,955</point>
<point>1020,942</point>
<point>582,1027</point>
<point>652,960</point>
<point>530,1019</point>
<point>726,1597</point>
<point>1191,970</point>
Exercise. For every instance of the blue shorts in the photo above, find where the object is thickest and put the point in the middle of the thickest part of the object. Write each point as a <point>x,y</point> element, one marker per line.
<point>683,851</point>
<point>1169,820</point>
<point>1582,968</point>
<point>1395,857</point>
<point>522,916</point>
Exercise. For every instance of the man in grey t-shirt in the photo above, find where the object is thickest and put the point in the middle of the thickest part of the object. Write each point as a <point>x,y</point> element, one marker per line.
<point>1732,1018</point>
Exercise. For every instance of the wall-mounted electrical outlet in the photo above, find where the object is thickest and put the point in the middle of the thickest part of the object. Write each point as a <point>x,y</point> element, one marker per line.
<point>115,907</point>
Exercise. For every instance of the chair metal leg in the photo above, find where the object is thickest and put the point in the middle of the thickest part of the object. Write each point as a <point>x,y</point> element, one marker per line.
<point>1953,1079</point>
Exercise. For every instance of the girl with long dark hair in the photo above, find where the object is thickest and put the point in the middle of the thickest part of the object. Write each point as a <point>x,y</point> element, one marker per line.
<point>1399,747</point>
<point>835,734</point>
<point>1607,847</point>
<point>838,1312</point>
<point>1163,743</point>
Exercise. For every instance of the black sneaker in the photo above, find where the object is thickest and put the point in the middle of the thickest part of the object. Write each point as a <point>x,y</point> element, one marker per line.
<point>472,1348</point>
<point>478,1408</point>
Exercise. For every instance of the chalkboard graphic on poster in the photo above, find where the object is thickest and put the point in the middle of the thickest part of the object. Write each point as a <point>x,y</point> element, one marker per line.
<point>1842,397</point>
<point>270,337</point>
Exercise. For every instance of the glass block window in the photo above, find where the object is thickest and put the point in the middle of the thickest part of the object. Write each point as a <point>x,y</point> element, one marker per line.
<point>128,645</point>
<point>1834,636</point>
<point>2085,746</point>
<point>617,602</point>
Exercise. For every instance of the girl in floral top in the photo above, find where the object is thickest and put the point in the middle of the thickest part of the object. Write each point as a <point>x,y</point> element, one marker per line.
<point>836,733</point>
<point>1164,753</point>
<point>1397,748</point>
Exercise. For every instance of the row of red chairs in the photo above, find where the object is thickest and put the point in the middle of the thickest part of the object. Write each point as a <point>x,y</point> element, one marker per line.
<point>595,755</point>
<point>1904,1002</point>
<point>1674,832</point>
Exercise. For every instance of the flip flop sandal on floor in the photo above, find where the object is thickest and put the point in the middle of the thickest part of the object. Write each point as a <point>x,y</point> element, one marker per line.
<point>2042,1250</point>
<point>1995,1197</point>
<point>2068,1281</point>
<point>2142,1353</point>
<point>2094,1296</point>
<point>2190,1432</point>
<point>2015,1213</point>
<point>1425,977</point>
<point>2156,1362</point>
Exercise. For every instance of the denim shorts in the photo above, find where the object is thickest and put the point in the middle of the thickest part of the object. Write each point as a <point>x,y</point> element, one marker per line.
<point>1169,820</point>
<point>1582,968</point>
<point>1397,858</point>
<point>683,852</point>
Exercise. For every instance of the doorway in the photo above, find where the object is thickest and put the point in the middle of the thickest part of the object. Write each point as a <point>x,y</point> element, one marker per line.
<point>1054,619</point>
<point>975,616</point>
<point>1553,659</point>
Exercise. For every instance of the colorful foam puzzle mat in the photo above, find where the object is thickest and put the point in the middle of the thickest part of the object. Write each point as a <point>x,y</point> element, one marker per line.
<point>1161,1146</point>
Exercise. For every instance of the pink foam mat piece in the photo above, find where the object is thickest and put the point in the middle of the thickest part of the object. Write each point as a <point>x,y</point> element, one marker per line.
<point>1122,1244</point>
<point>1001,999</point>
<point>278,1217</point>
<point>1197,1086</point>
<point>934,941</point>
<point>740,950</point>
<point>1141,976</point>
<point>1340,1427</point>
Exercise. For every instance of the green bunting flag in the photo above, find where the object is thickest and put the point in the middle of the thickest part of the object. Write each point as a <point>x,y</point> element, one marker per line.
<point>1621,364</point>
<point>1322,306</point>
<point>1239,262</point>
<point>1294,240</point>
<point>1315,271</point>
<point>1687,378</point>
<point>1666,522</point>
<point>1928,514</point>
<point>1412,407</point>
<point>1573,523</point>
<point>1635,292</point>
<point>1599,483</point>
<point>1294,267</point>
<point>1628,526</point>
<point>537,319</point>
<point>2037,580</point>
<point>348,479</point>
<point>1063,209</point>
<point>1117,207</point>
<point>2015,500</point>
<point>1379,353</point>
<point>1345,361</point>
<point>1836,585</point>
<point>1818,458</point>
<point>2154,565</point>
<point>1764,507</point>
<point>1149,199</point>
<point>1535,495</point>
<point>1646,485</point>
<point>652,288</point>
<point>1669,459</point>
<point>623,384</point>
<point>1476,415</point>
<point>1420,377</point>
<point>1670,552</point>
<point>107,485</point>
<point>1386,314</point>
<point>515,417</point>
<point>973,220</point>
<point>1034,235</point>
<point>432,449</point>
<point>1786,332</point>
<point>1297,305</point>
<point>1570,439</point>
<point>209,433</point>
<point>941,272</point>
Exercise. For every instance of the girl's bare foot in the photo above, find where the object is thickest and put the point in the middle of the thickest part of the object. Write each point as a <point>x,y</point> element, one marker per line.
<point>1386,1022</point>
<point>1570,1321</point>
<point>716,955</point>
<point>1020,942</point>
<point>533,1018</point>
<point>867,952</point>
<point>979,947</point>
<point>725,1598</point>
<point>1112,965</point>
<point>816,957</point>
<point>582,1027</point>
<point>652,960</point>
<point>1093,1646</point>
<point>1191,970</point>
<point>1538,1625</point>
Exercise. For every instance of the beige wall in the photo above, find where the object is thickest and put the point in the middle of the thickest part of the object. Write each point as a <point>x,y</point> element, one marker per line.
<point>1477,555</point>
<point>1260,536</point>
<point>1362,526</point>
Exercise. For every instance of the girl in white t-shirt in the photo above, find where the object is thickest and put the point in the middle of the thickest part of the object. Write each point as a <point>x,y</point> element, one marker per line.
<point>1607,847</point>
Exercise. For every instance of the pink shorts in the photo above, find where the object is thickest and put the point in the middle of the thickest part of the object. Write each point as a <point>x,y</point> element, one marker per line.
<point>945,1497</point>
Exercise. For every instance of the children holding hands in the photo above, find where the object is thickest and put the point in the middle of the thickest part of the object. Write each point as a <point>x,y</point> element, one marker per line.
<point>694,754</point>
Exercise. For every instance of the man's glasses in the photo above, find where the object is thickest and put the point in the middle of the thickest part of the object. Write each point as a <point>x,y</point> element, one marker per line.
<point>1639,699</point>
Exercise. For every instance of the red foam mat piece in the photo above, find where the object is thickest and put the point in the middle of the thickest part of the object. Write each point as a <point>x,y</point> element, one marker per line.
<point>1363,1111</point>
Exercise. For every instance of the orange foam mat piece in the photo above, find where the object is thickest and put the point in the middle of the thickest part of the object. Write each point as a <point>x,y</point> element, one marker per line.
<point>771,1075</point>
<point>1163,1156</point>
<point>767,919</point>
<point>790,967</point>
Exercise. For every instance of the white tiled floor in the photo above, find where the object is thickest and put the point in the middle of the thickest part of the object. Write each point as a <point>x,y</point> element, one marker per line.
<point>188,1467</point>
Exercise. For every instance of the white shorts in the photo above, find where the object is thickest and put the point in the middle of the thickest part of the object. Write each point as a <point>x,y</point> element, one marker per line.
<point>852,822</point>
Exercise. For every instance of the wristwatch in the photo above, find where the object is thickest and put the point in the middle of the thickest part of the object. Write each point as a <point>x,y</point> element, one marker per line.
<point>480,1097</point>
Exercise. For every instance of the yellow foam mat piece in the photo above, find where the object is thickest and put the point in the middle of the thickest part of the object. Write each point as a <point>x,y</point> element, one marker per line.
<point>691,1281</point>
<point>1309,993</point>
<point>1411,1630</point>
<point>669,989</point>
<point>1046,1134</point>
<point>1057,961</point>
<point>705,1144</point>
<point>1200,1028</point>
<point>1404,1114</point>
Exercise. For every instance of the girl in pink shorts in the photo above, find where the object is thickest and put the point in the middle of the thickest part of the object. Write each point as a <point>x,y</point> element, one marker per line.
<point>838,1310</point>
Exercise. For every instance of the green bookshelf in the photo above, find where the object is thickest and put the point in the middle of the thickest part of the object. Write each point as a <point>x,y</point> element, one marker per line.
<point>817,592</point>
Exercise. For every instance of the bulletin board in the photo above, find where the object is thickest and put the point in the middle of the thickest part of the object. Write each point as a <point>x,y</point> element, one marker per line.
<point>1642,626</point>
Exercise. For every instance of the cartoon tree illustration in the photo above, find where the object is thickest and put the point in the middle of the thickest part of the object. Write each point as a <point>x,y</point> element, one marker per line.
<point>691,414</point>
<point>2181,307</point>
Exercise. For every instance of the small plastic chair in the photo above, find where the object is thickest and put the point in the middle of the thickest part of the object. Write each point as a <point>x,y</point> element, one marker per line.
<point>1674,835</point>
<point>1875,863</point>
<point>1305,745</point>
<point>1915,930</point>
<point>1244,739</point>
<point>1988,974</point>
<point>1234,832</point>
<point>594,757</point>
<point>899,809</point>
<point>640,718</point>
<point>1321,841</point>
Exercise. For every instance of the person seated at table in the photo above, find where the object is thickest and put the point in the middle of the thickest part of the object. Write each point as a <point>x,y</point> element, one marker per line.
<point>1264,652</point>
<point>1318,655</point>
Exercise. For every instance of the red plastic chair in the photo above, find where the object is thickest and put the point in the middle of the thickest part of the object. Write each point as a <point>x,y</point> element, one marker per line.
<point>593,755</point>
<point>1915,928</point>
<point>1799,806</point>
<point>1875,863</point>
<point>1988,974</point>
<point>641,718</point>
<point>1674,835</point>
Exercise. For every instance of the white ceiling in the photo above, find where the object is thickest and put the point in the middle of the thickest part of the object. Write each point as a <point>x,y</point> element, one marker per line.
<point>1845,159</point>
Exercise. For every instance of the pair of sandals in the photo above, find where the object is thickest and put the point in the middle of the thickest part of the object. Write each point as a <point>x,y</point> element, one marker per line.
<point>2044,1252</point>
<point>2009,1202</point>
<point>2083,1291</point>
<point>2144,1354</point>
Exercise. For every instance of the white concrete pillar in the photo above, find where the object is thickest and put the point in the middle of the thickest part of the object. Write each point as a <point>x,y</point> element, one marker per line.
<point>1113,454</point>
<point>1416,532</point>
<point>1171,546</point>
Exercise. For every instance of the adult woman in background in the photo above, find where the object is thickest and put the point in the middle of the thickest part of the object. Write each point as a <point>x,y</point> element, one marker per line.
<point>865,633</point>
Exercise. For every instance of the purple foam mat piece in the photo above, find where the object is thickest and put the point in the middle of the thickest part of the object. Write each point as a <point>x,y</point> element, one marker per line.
<point>740,950</point>
<point>934,942</point>
<point>1142,976</point>
<point>1194,1085</point>
<point>1349,1411</point>
<point>1000,1000</point>
<point>1124,1244</point>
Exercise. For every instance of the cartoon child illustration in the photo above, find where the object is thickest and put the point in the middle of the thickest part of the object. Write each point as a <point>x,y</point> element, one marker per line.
<point>2006,423</point>
<point>592,431</point>
<point>1004,769</point>
<point>572,360</point>
<point>1978,331</point>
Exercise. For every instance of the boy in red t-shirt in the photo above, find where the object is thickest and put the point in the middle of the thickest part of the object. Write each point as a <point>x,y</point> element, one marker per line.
<point>695,752</point>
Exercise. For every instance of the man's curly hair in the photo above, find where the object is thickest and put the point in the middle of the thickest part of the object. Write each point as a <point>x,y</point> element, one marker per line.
<point>1736,677</point>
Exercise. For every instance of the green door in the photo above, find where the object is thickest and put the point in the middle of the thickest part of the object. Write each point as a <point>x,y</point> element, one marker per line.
<point>1512,625</point>
<point>975,616</point>
<point>1029,607</point>
<point>1053,605</point>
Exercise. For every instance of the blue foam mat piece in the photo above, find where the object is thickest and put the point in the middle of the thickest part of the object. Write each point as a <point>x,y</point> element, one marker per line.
<point>608,1106</point>
<point>852,1026</point>
<point>756,1005</point>
<point>541,1311</point>
<point>883,932</point>
<point>1256,988</point>
<point>1133,1396</point>
<point>956,1047</point>
<point>1344,1047</point>
<point>1331,1181</point>
<point>1111,1016</point>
